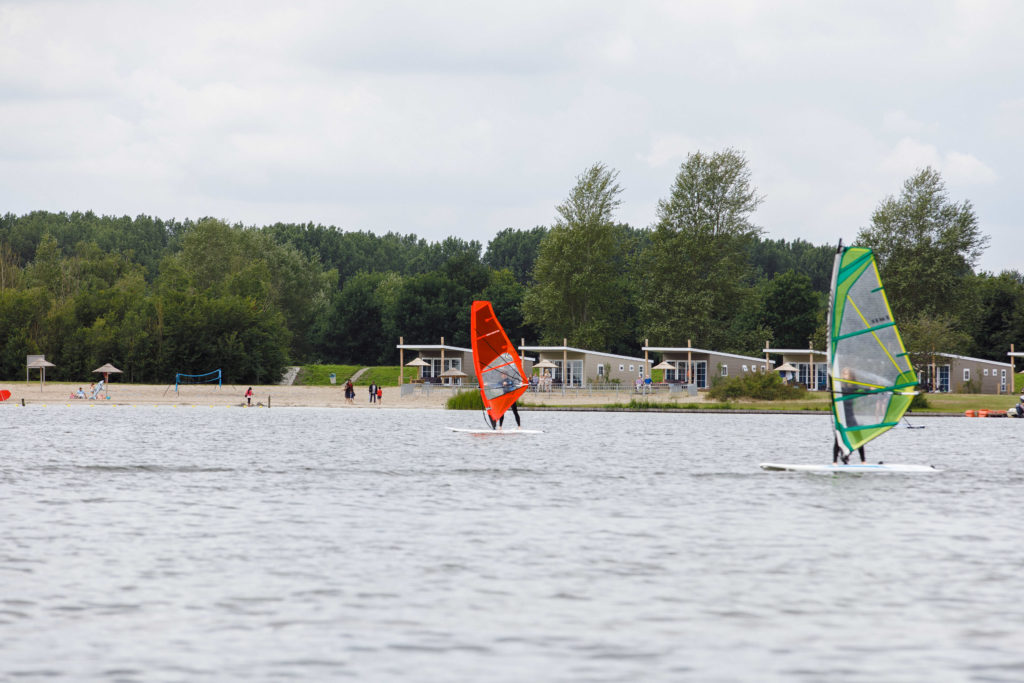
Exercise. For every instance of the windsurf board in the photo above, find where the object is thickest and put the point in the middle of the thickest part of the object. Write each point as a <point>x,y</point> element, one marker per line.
<point>496,431</point>
<point>853,468</point>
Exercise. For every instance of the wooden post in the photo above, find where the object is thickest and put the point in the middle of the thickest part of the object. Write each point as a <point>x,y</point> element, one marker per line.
<point>442,359</point>
<point>565,362</point>
<point>647,369</point>
<point>767,364</point>
<point>689,362</point>
<point>810,367</point>
<point>401,361</point>
<point>1013,372</point>
<point>935,376</point>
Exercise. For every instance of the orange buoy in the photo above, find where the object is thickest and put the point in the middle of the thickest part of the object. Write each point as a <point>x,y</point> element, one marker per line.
<point>983,413</point>
<point>970,413</point>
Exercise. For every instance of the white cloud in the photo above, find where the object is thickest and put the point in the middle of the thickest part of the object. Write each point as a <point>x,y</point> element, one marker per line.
<point>910,155</point>
<point>462,118</point>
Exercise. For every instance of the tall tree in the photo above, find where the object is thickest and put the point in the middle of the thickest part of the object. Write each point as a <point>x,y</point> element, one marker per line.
<point>792,309</point>
<point>696,273</point>
<point>578,275</point>
<point>515,250</point>
<point>926,246</point>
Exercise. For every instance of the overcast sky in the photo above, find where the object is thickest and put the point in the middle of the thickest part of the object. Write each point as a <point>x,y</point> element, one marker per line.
<point>464,118</point>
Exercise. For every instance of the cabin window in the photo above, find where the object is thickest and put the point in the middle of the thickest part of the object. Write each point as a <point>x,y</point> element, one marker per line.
<point>632,368</point>
<point>600,369</point>
<point>573,375</point>
<point>821,376</point>
<point>744,367</point>
<point>967,374</point>
<point>1002,380</point>
<point>641,371</point>
<point>762,368</point>
<point>725,370</point>
<point>986,372</point>
<point>622,367</point>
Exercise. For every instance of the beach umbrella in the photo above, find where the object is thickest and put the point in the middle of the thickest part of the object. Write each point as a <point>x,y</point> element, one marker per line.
<point>664,365</point>
<point>453,372</point>
<point>41,364</point>
<point>545,364</point>
<point>786,367</point>
<point>417,362</point>
<point>106,370</point>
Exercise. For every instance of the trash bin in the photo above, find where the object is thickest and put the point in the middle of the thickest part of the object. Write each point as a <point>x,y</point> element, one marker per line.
<point>333,378</point>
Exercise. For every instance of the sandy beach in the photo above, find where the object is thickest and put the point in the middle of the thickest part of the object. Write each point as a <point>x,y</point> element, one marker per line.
<point>58,393</point>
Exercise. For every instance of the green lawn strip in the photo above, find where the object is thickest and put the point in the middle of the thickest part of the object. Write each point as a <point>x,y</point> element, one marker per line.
<point>319,375</point>
<point>381,375</point>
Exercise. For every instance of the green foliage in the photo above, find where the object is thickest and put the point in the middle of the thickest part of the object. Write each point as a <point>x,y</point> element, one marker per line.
<point>792,309</point>
<point>579,273</point>
<point>516,251</point>
<point>971,386</point>
<point>697,280</point>
<point>772,257</point>
<point>319,375</point>
<point>919,402</point>
<point>924,334</point>
<point>995,318</point>
<point>466,400</point>
<point>155,297</point>
<point>763,386</point>
<point>926,246</point>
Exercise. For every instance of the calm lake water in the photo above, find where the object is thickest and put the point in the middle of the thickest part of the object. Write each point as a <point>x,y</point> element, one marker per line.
<point>213,544</point>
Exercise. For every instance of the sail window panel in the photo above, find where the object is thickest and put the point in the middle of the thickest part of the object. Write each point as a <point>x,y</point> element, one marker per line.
<point>501,376</point>
<point>863,411</point>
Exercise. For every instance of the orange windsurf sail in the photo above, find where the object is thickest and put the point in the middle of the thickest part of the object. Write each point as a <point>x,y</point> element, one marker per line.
<point>499,371</point>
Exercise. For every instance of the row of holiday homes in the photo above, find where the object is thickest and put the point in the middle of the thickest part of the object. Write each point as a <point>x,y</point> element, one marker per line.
<point>567,366</point>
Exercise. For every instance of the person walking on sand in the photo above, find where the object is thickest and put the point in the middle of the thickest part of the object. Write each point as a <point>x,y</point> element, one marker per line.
<point>350,392</point>
<point>248,396</point>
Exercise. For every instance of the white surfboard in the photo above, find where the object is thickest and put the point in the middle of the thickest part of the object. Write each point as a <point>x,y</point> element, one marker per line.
<point>496,431</point>
<point>853,468</point>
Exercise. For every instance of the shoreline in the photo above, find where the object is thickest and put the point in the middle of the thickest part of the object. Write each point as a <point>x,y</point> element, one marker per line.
<point>293,396</point>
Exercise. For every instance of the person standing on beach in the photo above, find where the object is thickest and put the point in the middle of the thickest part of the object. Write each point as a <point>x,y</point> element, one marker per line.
<point>248,396</point>
<point>373,392</point>
<point>380,395</point>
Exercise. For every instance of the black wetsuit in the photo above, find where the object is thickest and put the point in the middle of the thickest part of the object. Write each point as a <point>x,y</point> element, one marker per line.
<point>501,420</point>
<point>837,453</point>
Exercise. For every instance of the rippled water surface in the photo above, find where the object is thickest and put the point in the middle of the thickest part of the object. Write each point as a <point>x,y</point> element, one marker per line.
<point>149,544</point>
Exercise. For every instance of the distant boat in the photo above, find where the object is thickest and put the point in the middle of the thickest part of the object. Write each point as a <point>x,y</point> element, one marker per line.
<point>871,380</point>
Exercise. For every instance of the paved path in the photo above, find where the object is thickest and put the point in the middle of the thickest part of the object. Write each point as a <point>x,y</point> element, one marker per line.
<point>289,376</point>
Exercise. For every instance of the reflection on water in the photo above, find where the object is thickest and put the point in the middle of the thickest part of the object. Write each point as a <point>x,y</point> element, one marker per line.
<point>218,544</point>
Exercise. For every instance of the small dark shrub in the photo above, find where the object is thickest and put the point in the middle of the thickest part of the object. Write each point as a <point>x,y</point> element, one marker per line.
<point>762,386</point>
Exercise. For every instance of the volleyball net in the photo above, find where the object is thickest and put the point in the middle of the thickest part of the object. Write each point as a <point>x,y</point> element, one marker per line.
<point>205,378</point>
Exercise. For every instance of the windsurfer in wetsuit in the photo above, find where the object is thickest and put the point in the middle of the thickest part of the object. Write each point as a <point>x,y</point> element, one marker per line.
<point>507,385</point>
<point>851,419</point>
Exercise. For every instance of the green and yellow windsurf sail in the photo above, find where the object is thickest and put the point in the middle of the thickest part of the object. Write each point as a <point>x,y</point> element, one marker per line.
<point>872,381</point>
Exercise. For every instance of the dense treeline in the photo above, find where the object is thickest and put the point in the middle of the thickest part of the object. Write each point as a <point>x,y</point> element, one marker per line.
<point>156,296</point>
